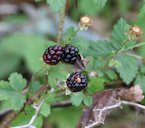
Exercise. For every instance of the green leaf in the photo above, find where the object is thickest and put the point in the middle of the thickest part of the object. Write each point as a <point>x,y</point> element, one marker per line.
<point>45,110</point>
<point>77,98</point>
<point>17,101</point>
<point>56,5</point>
<point>100,3</point>
<point>142,11</point>
<point>95,84</point>
<point>140,79</point>
<point>56,74</point>
<point>50,98</point>
<point>38,123</point>
<point>21,119</point>
<point>87,100</point>
<point>34,46</point>
<point>119,33</point>
<point>9,64</point>
<point>12,91</point>
<point>17,81</point>
<point>111,75</point>
<point>142,69</point>
<point>83,8</point>
<point>99,48</point>
<point>6,91</point>
<point>81,43</point>
<point>128,68</point>
<point>34,87</point>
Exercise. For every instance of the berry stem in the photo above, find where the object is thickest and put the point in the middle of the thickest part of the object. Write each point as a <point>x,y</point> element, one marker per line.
<point>61,22</point>
<point>73,35</point>
<point>132,47</point>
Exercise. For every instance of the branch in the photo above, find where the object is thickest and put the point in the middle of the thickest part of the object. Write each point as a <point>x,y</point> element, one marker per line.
<point>118,104</point>
<point>61,22</point>
<point>29,125</point>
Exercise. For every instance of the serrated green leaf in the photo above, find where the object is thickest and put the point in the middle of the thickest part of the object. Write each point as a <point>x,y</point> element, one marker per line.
<point>83,5</point>
<point>100,3</point>
<point>87,100</point>
<point>17,101</point>
<point>12,91</point>
<point>17,82</point>
<point>99,48</point>
<point>140,79</point>
<point>142,10</point>
<point>95,84</point>
<point>56,5</point>
<point>81,43</point>
<point>6,91</point>
<point>77,98</point>
<point>119,33</point>
<point>45,110</point>
<point>128,68</point>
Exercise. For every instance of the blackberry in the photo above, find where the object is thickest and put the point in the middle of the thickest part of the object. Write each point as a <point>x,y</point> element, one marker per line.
<point>70,54</point>
<point>52,55</point>
<point>76,82</point>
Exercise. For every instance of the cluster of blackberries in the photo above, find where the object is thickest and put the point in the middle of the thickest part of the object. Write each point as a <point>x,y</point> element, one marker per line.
<point>68,54</point>
<point>54,54</point>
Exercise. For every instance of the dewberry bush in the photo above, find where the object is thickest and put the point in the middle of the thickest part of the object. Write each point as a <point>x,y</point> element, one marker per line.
<point>92,76</point>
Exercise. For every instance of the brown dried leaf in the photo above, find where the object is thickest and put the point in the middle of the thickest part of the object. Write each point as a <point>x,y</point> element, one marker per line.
<point>135,94</point>
<point>100,100</point>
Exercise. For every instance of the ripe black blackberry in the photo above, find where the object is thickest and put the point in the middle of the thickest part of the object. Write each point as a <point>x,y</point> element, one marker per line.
<point>52,55</point>
<point>70,54</point>
<point>76,82</point>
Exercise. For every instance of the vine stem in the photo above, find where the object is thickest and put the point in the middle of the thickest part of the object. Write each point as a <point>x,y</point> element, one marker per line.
<point>132,47</point>
<point>61,22</point>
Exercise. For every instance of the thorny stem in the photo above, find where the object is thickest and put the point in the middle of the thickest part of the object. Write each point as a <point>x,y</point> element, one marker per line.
<point>61,22</point>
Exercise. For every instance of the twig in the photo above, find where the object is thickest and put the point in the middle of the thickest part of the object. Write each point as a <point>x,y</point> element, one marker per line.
<point>61,104</point>
<point>132,47</point>
<point>61,22</point>
<point>118,104</point>
<point>29,125</point>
